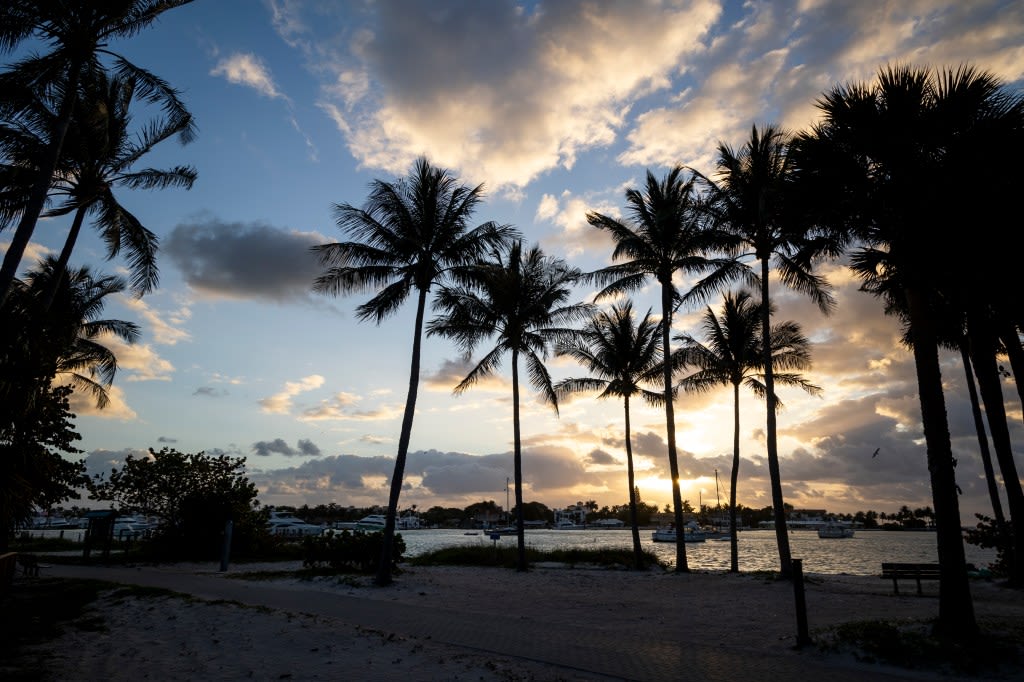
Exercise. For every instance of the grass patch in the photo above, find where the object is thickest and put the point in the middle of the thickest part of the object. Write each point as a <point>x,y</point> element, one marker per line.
<point>508,557</point>
<point>999,646</point>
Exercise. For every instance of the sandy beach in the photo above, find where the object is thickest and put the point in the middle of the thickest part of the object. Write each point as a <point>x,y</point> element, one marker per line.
<point>457,623</point>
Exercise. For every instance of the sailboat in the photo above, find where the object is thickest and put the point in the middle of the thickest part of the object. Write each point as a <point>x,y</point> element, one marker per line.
<point>717,532</point>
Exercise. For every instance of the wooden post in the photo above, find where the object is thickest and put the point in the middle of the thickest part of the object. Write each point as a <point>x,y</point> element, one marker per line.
<point>802,637</point>
<point>225,551</point>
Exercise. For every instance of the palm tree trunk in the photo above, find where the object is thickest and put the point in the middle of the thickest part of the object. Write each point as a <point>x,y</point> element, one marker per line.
<point>979,426</point>
<point>987,371</point>
<point>956,609</point>
<point>781,528</point>
<point>1011,341</point>
<point>37,199</point>
<point>387,551</point>
<point>734,548</point>
<point>638,552</point>
<point>517,460</point>
<point>60,269</point>
<point>670,426</point>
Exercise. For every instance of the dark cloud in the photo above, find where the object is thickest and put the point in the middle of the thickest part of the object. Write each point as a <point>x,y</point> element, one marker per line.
<point>166,439</point>
<point>600,457</point>
<point>210,391</point>
<point>245,260</point>
<point>268,447</point>
<point>308,447</point>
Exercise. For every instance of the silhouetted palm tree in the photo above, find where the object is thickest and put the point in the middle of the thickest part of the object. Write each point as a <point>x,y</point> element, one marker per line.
<point>732,355</point>
<point>885,164</point>
<point>748,198</point>
<point>78,33</point>
<point>98,155</point>
<point>622,355</point>
<point>103,158</point>
<point>666,234</point>
<point>65,343</point>
<point>410,235</point>
<point>521,299</point>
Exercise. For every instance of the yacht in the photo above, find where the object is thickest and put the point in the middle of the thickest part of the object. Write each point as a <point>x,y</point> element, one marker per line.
<point>373,522</point>
<point>283,523</point>
<point>834,530</point>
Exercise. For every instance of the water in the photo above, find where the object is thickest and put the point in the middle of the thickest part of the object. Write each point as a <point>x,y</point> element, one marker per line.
<point>862,554</point>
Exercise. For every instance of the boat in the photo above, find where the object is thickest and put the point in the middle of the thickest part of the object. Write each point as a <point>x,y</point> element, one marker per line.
<point>566,524</point>
<point>669,535</point>
<point>373,522</point>
<point>834,530</point>
<point>283,523</point>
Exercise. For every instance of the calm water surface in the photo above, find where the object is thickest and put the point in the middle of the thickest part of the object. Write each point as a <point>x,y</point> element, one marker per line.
<point>862,554</point>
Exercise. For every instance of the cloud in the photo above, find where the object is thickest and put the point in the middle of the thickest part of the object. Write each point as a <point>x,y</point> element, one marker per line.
<point>281,402</point>
<point>245,68</point>
<point>275,446</point>
<point>165,439</point>
<point>308,447</point>
<point>83,404</point>
<point>138,360</point>
<point>245,260</point>
<point>564,84</point>
<point>210,392</point>
<point>165,327</point>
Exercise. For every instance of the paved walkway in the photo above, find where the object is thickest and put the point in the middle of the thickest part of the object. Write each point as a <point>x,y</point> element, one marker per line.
<point>619,655</point>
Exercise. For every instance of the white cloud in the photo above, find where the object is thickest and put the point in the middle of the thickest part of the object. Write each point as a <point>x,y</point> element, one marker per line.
<point>244,68</point>
<point>166,327</point>
<point>281,402</point>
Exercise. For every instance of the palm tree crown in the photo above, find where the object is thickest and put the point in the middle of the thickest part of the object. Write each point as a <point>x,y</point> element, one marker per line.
<point>78,32</point>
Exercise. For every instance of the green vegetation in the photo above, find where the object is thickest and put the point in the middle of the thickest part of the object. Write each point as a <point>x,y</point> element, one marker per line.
<point>508,557</point>
<point>913,644</point>
<point>348,551</point>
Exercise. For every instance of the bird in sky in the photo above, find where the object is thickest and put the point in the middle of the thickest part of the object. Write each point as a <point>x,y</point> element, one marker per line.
<point>875,453</point>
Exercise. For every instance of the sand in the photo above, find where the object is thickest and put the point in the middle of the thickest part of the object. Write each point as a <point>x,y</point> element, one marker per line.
<point>734,617</point>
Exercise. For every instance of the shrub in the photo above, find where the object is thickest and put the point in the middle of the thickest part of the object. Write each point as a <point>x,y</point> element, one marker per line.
<point>349,552</point>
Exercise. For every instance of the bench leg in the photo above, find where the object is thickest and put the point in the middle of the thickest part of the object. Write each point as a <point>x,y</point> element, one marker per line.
<point>919,592</point>
<point>895,586</point>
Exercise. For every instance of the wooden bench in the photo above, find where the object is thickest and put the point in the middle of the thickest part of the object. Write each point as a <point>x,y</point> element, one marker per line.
<point>29,565</point>
<point>918,572</point>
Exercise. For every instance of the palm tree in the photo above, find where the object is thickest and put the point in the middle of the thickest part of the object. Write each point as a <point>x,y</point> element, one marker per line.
<point>99,153</point>
<point>886,164</point>
<point>732,356</point>
<point>621,355</point>
<point>666,234</point>
<point>521,298</point>
<point>748,198</point>
<point>64,343</point>
<point>78,31</point>
<point>410,235</point>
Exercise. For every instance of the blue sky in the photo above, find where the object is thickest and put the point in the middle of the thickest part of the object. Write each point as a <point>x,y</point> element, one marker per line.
<point>556,107</point>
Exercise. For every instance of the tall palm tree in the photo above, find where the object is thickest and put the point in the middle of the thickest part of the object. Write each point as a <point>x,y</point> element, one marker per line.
<point>521,299</point>
<point>748,198</point>
<point>666,233</point>
<point>732,355</point>
<point>78,33</point>
<point>99,154</point>
<point>410,235</point>
<point>622,355</point>
<point>886,164</point>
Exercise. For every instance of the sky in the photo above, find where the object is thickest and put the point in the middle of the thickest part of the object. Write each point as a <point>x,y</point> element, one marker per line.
<point>556,108</point>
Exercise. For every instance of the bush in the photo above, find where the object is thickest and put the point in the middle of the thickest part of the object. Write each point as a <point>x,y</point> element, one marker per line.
<point>987,534</point>
<point>350,552</point>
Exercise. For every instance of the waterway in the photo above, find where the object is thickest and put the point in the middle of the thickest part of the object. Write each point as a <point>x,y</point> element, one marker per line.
<point>862,554</point>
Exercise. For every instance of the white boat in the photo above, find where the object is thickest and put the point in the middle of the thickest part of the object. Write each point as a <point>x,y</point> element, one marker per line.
<point>834,530</point>
<point>283,523</point>
<point>669,535</point>
<point>566,524</point>
<point>373,522</point>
